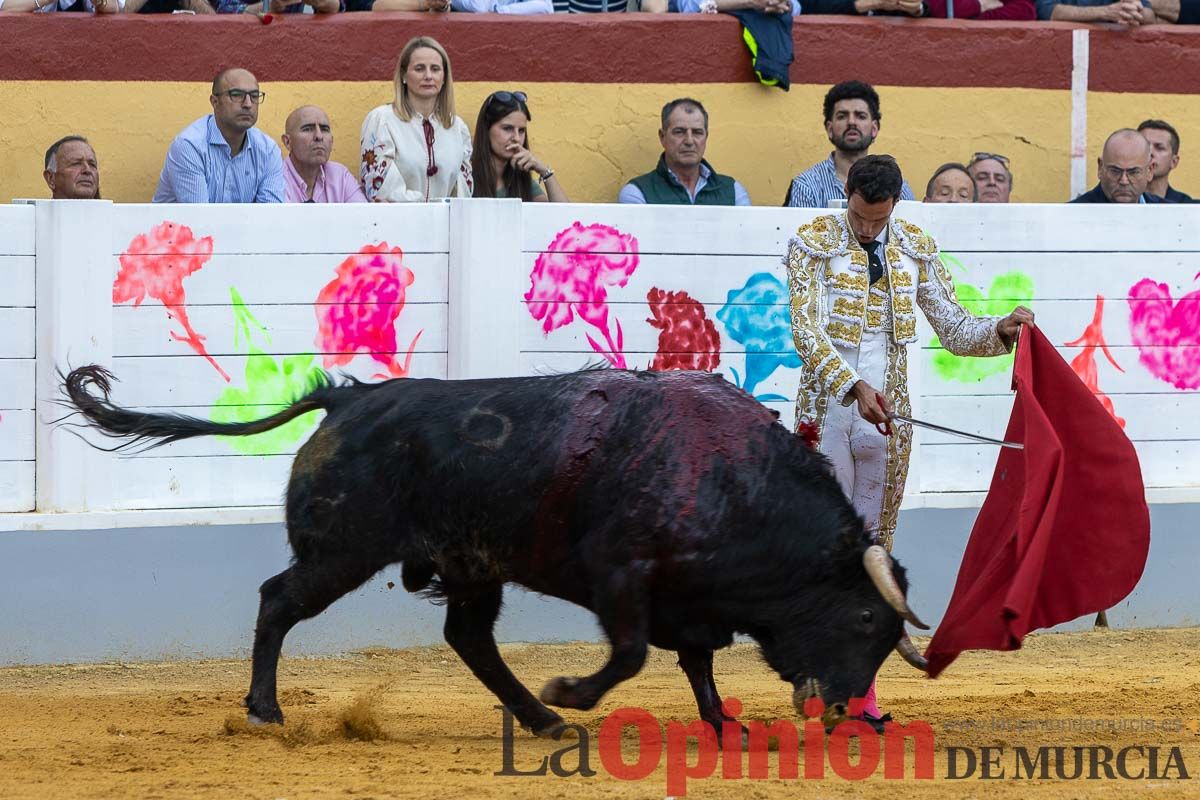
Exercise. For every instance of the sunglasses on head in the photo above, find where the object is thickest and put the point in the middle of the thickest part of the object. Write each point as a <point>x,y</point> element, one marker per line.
<point>984,156</point>
<point>517,99</point>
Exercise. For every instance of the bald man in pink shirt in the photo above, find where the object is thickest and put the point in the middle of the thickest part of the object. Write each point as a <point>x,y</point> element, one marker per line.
<point>308,174</point>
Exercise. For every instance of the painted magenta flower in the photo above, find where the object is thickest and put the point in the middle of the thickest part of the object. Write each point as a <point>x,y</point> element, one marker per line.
<point>357,310</point>
<point>154,265</point>
<point>1166,332</point>
<point>687,338</point>
<point>572,277</point>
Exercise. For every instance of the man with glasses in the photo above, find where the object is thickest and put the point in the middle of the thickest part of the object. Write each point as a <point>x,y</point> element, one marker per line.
<point>993,179</point>
<point>1126,165</point>
<point>223,158</point>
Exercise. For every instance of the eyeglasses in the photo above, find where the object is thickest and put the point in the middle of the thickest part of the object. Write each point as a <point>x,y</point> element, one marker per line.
<point>511,99</point>
<point>432,169</point>
<point>984,156</point>
<point>238,95</point>
<point>1115,173</point>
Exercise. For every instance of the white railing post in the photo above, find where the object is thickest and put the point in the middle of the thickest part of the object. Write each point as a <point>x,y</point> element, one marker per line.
<point>73,274</point>
<point>485,289</point>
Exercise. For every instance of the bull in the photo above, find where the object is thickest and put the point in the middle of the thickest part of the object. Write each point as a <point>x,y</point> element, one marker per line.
<point>673,506</point>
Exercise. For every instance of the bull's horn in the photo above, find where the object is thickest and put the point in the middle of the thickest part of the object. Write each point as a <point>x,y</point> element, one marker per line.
<point>908,651</point>
<point>879,567</point>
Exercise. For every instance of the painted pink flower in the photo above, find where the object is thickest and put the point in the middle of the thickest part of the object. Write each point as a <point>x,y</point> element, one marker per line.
<point>1084,364</point>
<point>688,338</point>
<point>154,265</point>
<point>573,276</point>
<point>1167,333</point>
<point>357,310</point>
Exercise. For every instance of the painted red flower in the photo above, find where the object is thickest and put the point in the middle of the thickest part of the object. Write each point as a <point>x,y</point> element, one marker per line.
<point>688,338</point>
<point>154,265</point>
<point>572,277</point>
<point>357,310</point>
<point>1084,364</point>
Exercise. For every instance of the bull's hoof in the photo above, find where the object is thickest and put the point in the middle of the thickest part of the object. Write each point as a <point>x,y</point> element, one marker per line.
<point>555,730</point>
<point>566,693</point>
<point>272,717</point>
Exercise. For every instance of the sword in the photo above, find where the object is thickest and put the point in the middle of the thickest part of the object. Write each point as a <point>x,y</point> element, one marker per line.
<point>886,429</point>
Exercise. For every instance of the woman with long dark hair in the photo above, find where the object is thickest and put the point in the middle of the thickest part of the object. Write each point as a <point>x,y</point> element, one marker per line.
<point>501,160</point>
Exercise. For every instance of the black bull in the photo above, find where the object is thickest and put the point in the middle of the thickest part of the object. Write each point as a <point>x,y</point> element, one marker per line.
<point>672,505</point>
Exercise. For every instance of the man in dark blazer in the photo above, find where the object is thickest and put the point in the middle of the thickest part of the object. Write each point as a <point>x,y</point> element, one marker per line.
<point>1125,171</point>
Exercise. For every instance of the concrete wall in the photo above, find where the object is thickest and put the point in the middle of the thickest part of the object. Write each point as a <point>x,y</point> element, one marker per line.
<point>191,592</point>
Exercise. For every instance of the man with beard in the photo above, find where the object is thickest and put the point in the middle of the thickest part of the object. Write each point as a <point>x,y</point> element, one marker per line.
<point>222,157</point>
<point>851,122</point>
<point>308,174</point>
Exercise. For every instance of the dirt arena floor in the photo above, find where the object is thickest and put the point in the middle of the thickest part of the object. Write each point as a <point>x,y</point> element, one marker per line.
<point>415,723</point>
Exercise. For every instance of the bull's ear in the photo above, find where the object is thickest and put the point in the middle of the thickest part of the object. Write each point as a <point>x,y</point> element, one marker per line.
<point>774,413</point>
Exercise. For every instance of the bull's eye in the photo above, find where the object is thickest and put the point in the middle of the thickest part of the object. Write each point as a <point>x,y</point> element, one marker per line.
<point>866,617</point>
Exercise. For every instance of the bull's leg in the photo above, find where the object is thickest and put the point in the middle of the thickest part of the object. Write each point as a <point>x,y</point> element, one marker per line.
<point>697,665</point>
<point>468,630</point>
<point>623,611</point>
<point>300,592</point>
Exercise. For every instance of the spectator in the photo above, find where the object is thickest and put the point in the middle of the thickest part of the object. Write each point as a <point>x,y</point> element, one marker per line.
<point>981,9</point>
<point>909,8</point>
<point>1164,141</point>
<point>851,122</point>
<point>308,174</point>
<point>591,6</point>
<point>1178,12</point>
<point>714,6</point>
<point>48,6</point>
<point>951,183</point>
<point>1122,12</point>
<point>1124,166</point>
<point>501,160</point>
<point>992,177</point>
<point>71,170</point>
<point>524,7</point>
<point>683,176</point>
<point>411,5</point>
<point>223,158</point>
<point>415,148</point>
<point>202,7</point>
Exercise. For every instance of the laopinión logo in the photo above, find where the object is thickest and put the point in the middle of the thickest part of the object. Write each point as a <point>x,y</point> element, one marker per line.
<point>725,748</point>
<point>695,750</point>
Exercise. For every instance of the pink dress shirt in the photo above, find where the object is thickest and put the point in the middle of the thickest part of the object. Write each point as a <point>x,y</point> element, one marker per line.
<point>334,184</point>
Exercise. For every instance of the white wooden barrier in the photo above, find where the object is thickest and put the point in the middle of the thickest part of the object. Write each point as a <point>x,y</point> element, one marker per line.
<point>238,305</point>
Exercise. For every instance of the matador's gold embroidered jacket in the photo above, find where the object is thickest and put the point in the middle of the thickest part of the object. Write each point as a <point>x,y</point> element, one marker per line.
<point>833,303</point>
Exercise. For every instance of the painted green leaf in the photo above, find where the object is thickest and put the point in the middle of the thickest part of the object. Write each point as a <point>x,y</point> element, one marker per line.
<point>1007,290</point>
<point>270,386</point>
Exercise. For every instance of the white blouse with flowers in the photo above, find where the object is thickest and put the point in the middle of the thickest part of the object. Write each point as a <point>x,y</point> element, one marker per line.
<point>395,158</point>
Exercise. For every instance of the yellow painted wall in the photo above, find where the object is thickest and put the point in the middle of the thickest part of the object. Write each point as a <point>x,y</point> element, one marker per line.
<point>1108,111</point>
<point>596,136</point>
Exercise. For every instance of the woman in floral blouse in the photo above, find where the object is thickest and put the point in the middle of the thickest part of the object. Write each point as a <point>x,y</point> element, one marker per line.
<point>415,149</point>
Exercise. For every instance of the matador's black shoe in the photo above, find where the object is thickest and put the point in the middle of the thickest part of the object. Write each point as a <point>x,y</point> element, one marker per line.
<point>875,722</point>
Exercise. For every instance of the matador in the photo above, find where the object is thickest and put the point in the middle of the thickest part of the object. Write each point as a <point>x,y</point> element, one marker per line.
<point>856,280</point>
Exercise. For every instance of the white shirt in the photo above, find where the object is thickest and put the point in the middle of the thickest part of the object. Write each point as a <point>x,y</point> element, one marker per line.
<point>395,159</point>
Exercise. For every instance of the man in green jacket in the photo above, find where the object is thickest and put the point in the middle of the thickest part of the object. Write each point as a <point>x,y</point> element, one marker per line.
<point>682,176</point>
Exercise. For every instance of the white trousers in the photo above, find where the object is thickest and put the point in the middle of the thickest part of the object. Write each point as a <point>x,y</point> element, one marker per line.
<point>859,452</point>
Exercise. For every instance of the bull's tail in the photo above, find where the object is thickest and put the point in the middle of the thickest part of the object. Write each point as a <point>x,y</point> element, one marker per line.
<point>153,430</point>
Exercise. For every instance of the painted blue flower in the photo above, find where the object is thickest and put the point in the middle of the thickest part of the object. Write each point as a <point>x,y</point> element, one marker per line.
<point>756,316</point>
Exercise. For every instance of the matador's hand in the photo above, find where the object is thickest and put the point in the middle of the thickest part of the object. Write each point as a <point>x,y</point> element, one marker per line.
<point>1008,327</point>
<point>872,405</point>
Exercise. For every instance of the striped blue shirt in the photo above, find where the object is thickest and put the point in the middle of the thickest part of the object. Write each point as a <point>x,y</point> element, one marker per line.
<point>818,185</point>
<point>200,168</point>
